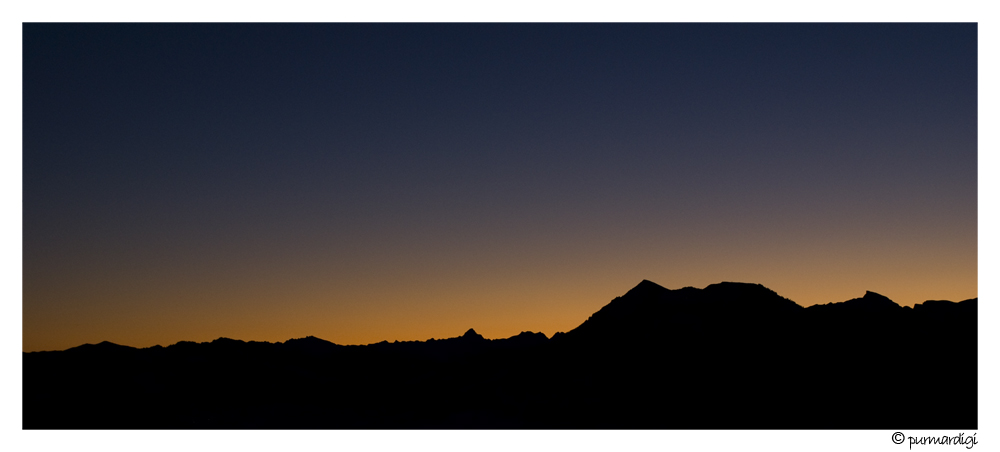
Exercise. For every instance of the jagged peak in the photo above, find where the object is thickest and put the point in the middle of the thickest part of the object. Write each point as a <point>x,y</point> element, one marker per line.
<point>472,334</point>
<point>530,334</point>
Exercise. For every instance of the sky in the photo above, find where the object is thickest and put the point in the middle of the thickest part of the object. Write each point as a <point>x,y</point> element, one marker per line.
<point>368,182</point>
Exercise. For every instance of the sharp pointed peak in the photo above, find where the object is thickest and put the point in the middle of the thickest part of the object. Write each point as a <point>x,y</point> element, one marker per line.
<point>645,287</point>
<point>648,283</point>
<point>472,334</point>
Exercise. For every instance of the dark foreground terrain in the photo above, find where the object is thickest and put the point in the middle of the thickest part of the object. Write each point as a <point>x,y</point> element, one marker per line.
<point>729,356</point>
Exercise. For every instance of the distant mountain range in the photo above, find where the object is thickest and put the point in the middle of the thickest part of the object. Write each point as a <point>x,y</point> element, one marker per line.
<point>729,356</point>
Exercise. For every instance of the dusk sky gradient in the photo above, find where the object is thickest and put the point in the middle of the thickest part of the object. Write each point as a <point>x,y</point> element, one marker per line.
<point>368,182</point>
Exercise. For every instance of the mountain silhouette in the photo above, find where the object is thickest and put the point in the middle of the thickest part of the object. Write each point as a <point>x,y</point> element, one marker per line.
<point>653,313</point>
<point>729,356</point>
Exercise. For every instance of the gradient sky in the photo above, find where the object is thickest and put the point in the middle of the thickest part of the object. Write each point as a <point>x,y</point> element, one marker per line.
<point>362,182</point>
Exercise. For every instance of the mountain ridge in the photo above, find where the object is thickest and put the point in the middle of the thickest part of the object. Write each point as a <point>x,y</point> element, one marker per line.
<point>729,356</point>
<point>870,302</point>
